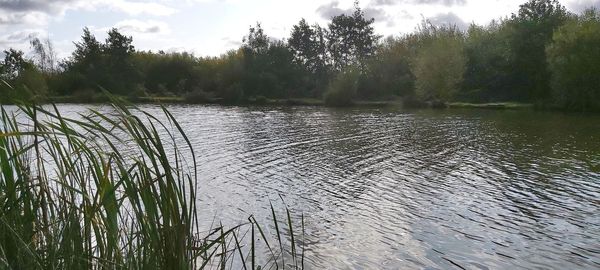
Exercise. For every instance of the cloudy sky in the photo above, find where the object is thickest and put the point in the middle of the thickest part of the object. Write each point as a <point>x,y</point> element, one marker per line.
<point>211,27</point>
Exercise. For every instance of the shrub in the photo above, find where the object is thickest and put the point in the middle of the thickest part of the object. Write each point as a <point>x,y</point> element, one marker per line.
<point>342,90</point>
<point>574,61</point>
<point>85,95</point>
<point>137,93</point>
<point>261,100</point>
<point>233,93</point>
<point>197,96</point>
<point>439,68</point>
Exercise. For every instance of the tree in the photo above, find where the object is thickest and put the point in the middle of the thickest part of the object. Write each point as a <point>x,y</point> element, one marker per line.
<point>30,85</point>
<point>574,62</point>
<point>351,39</point>
<point>88,50</point>
<point>342,89</point>
<point>169,73</point>
<point>14,63</point>
<point>109,65</point>
<point>285,72</point>
<point>230,75</point>
<point>388,73</point>
<point>439,66</point>
<point>118,45</point>
<point>123,75</point>
<point>309,46</point>
<point>532,31</point>
<point>24,80</point>
<point>45,54</point>
<point>86,69</point>
<point>489,66</point>
<point>256,42</point>
<point>269,66</point>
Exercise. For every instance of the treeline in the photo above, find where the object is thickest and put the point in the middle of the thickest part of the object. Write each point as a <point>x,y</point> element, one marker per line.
<point>541,54</point>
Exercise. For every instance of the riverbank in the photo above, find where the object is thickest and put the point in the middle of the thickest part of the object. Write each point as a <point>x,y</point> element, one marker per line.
<point>251,101</point>
<point>295,102</point>
<point>492,106</point>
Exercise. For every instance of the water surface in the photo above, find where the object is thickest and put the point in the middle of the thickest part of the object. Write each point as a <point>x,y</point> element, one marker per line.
<point>393,189</point>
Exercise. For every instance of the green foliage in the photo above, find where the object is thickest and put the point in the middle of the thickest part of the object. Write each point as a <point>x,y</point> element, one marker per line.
<point>14,63</point>
<point>309,46</point>
<point>88,50</point>
<point>574,60</point>
<point>94,65</point>
<point>505,60</point>
<point>440,64</point>
<point>44,54</point>
<point>198,96</point>
<point>233,93</point>
<point>173,72</point>
<point>388,72</point>
<point>32,82</point>
<point>85,95</point>
<point>108,191</point>
<point>269,67</point>
<point>532,30</point>
<point>351,39</point>
<point>20,80</point>
<point>118,45</point>
<point>342,89</point>
<point>256,42</point>
<point>489,64</point>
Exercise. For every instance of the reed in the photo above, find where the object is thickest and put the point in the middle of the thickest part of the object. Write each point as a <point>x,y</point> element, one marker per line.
<point>115,191</point>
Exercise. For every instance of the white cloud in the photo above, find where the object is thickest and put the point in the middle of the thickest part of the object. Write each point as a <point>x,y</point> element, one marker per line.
<point>28,18</point>
<point>39,12</point>
<point>449,19</point>
<point>48,6</point>
<point>143,27</point>
<point>581,5</point>
<point>19,39</point>
<point>331,9</point>
<point>420,2</point>
<point>210,27</point>
<point>134,8</point>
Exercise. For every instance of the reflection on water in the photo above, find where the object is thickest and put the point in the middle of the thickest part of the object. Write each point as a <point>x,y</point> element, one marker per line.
<point>408,189</point>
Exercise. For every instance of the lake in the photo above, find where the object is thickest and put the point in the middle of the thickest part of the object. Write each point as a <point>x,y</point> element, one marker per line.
<point>396,189</point>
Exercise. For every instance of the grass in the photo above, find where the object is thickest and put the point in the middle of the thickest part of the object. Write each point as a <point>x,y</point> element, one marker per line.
<point>113,191</point>
<point>251,101</point>
<point>497,105</point>
<point>104,99</point>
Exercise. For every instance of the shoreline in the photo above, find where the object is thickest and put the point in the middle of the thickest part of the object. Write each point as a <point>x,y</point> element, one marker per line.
<point>298,102</point>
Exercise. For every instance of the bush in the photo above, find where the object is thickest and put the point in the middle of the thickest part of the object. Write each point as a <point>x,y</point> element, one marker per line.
<point>439,68</point>
<point>261,100</point>
<point>197,96</point>
<point>233,93</point>
<point>138,92</point>
<point>342,90</point>
<point>574,61</point>
<point>85,95</point>
<point>30,85</point>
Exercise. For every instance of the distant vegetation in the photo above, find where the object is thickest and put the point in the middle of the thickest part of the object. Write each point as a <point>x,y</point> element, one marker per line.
<point>540,55</point>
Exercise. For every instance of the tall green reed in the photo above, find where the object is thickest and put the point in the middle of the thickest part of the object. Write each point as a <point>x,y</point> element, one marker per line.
<point>115,191</point>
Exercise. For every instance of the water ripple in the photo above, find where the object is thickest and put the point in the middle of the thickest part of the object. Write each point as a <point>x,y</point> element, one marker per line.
<point>385,189</point>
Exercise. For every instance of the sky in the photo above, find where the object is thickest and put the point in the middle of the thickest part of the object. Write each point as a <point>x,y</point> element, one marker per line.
<point>211,27</point>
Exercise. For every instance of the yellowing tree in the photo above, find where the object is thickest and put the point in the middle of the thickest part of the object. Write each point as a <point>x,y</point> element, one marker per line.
<point>439,65</point>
